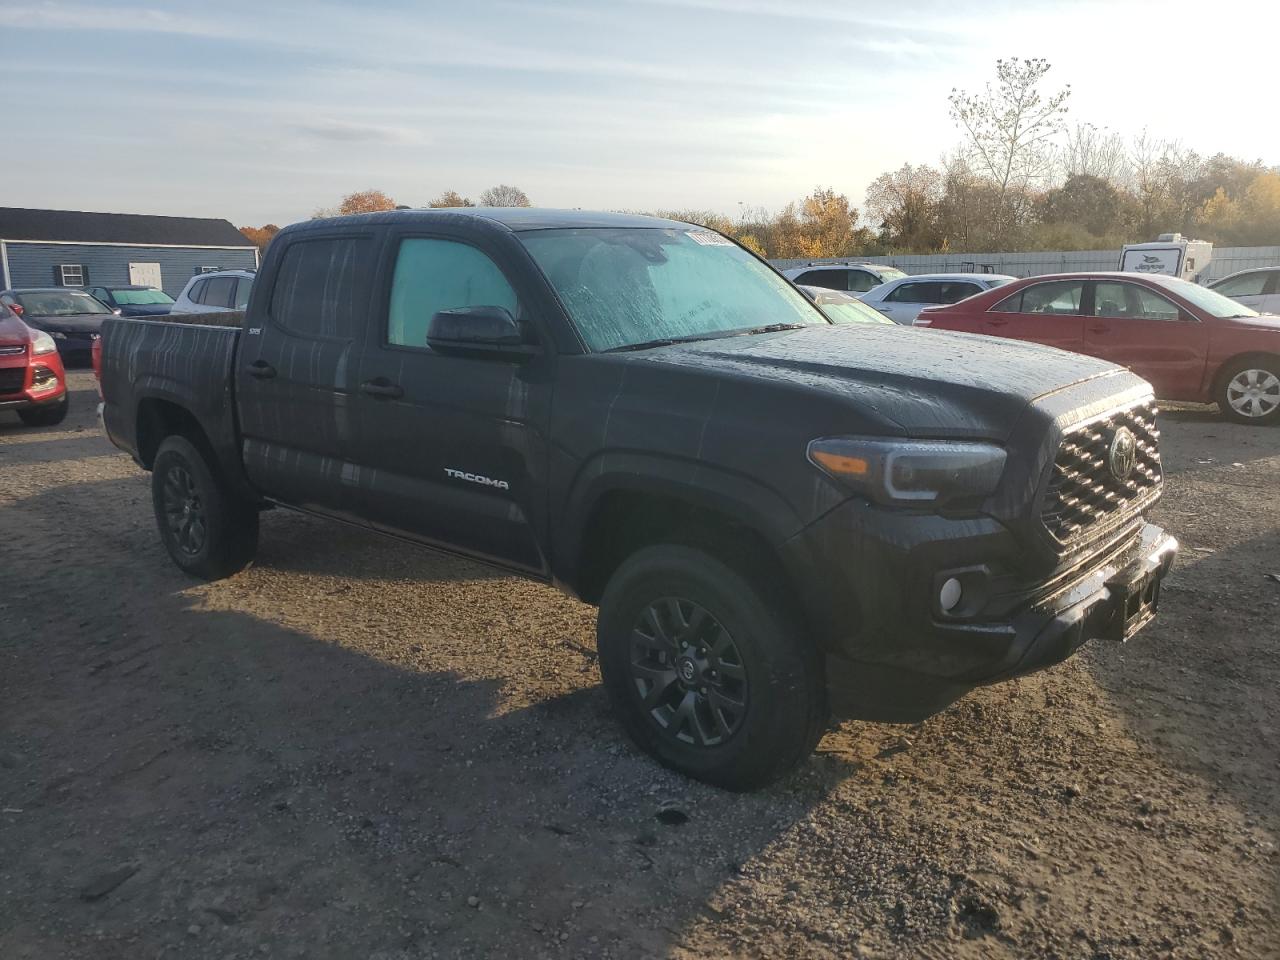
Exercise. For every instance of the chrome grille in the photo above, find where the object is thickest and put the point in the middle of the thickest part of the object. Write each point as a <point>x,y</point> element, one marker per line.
<point>13,351</point>
<point>1084,494</point>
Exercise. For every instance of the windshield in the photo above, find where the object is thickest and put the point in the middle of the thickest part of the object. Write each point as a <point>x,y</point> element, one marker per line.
<point>633,285</point>
<point>61,303</point>
<point>136,298</point>
<point>850,311</point>
<point>1210,301</point>
<point>998,282</point>
<point>889,273</point>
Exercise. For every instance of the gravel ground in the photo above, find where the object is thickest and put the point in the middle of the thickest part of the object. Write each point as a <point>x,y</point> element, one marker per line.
<point>360,749</point>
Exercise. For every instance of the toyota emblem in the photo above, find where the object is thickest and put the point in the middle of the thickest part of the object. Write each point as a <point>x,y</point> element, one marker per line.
<point>1123,455</point>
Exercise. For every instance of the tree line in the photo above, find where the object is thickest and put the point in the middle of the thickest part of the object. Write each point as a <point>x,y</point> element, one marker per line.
<point>1020,177</point>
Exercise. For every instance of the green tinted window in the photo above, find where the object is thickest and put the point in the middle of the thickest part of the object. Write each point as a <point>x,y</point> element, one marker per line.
<point>435,275</point>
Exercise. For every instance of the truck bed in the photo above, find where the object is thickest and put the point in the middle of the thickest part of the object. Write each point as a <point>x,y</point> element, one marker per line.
<point>154,365</point>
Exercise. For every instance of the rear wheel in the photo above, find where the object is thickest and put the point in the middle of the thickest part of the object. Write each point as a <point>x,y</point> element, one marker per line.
<point>705,673</point>
<point>48,415</point>
<point>208,532</point>
<point>1250,391</point>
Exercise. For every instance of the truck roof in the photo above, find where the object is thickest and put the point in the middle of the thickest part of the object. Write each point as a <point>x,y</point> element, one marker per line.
<point>516,219</point>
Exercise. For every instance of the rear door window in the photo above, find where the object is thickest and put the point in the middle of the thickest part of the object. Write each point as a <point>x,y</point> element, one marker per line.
<point>860,281</point>
<point>1055,298</point>
<point>830,279</point>
<point>956,291</point>
<point>218,291</point>
<point>923,291</point>
<point>322,287</point>
<point>243,287</point>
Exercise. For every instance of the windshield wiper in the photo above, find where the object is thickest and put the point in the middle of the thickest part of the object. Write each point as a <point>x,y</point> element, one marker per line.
<point>774,328</point>
<point>663,342</point>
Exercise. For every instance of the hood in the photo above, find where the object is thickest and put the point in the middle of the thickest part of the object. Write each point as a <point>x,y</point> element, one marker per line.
<point>146,309</point>
<point>12,331</point>
<point>924,382</point>
<point>1263,321</point>
<point>89,323</point>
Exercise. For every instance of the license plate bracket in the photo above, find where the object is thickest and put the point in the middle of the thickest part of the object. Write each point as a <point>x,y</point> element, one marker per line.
<point>1136,603</point>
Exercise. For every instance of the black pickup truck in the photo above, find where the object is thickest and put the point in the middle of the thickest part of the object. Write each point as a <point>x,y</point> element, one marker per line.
<point>777,516</point>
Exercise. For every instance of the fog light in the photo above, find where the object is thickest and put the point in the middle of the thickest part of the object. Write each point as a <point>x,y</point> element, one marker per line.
<point>949,595</point>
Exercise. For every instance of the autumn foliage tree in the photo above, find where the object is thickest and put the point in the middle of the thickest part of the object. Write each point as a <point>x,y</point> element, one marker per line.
<point>260,236</point>
<point>451,198</point>
<point>365,201</point>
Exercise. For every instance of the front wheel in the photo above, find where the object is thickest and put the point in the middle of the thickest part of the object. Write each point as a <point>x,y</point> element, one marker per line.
<point>705,673</point>
<point>1250,391</point>
<point>46,416</point>
<point>208,532</point>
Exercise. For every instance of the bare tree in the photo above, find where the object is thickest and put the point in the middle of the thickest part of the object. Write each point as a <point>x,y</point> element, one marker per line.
<point>904,203</point>
<point>1093,152</point>
<point>504,196</point>
<point>1010,129</point>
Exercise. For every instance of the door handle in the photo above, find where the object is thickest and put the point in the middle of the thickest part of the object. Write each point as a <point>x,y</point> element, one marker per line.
<point>262,370</point>
<point>382,387</point>
<point>997,321</point>
<point>1100,328</point>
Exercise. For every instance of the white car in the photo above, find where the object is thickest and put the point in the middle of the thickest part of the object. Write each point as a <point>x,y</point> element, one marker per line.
<point>1258,289</point>
<point>852,277</point>
<point>215,292</point>
<point>902,300</point>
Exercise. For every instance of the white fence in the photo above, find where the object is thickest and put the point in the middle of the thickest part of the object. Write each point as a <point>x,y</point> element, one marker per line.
<point>1225,260</point>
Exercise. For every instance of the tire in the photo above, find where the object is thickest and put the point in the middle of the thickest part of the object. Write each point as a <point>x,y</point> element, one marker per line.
<point>46,416</point>
<point>767,666</point>
<point>208,532</point>
<point>1249,391</point>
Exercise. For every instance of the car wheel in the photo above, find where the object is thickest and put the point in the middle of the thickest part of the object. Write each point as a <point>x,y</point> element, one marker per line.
<point>1249,391</point>
<point>46,416</point>
<point>208,532</point>
<point>707,674</point>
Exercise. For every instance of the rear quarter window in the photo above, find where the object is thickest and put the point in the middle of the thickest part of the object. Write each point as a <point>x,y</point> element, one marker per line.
<point>322,287</point>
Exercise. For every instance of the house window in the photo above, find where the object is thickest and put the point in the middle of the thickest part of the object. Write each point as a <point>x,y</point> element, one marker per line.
<point>71,274</point>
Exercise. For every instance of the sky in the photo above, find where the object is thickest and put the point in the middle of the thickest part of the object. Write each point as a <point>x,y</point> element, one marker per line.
<point>262,112</point>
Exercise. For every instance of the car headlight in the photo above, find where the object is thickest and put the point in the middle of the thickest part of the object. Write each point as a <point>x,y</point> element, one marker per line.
<point>43,343</point>
<point>911,472</point>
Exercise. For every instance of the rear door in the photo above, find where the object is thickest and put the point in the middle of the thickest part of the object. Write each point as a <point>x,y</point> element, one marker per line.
<point>904,302</point>
<point>1048,313</point>
<point>297,369</point>
<point>1139,328</point>
<point>452,449</point>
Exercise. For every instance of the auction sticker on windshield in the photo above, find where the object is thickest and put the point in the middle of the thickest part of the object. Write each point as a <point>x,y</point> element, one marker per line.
<point>709,239</point>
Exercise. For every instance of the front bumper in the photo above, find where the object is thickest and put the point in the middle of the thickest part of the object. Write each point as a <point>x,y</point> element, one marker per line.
<point>893,655</point>
<point>28,400</point>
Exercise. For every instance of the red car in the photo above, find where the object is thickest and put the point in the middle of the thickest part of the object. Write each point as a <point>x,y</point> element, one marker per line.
<point>32,380</point>
<point>1188,341</point>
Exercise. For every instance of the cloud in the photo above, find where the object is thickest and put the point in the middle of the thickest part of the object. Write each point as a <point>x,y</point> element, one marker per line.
<point>344,131</point>
<point>52,15</point>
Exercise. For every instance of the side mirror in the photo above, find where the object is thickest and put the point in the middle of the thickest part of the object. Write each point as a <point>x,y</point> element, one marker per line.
<point>484,330</point>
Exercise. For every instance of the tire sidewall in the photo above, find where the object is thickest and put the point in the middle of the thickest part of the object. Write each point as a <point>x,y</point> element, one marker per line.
<point>783,670</point>
<point>1268,364</point>
<point>179,451</point>
<point>47,416</point>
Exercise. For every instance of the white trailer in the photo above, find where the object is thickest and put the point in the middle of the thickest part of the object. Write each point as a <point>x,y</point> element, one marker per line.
<point>1170,254</point>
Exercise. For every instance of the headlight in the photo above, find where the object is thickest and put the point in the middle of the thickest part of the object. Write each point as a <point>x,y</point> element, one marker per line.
<point>911,472</point>
<point>43,343</point>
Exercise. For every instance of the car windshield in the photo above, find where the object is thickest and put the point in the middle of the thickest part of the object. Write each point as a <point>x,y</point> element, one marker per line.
<point>998,282</point>
<point>850,310</point>
<point>889,273</point>
<point>61,303</point>
<point>629,286</point>
<point>1210,301</point>
<point>138,298</point>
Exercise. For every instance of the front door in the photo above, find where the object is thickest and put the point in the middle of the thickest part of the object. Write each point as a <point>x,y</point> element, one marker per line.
<point>1047,313</point>
<point>452,448</point>
<point>1136,327</point>
<point>297,372</point>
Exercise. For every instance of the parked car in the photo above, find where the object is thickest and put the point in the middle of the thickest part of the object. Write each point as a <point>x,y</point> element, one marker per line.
<point>902,300</point>
<point>71,317</point>
<point>215,292</point>
<point>774,514</point>
<point>134,301</point>
<point>852,277</point>
<point>1190,342</point>
<point>33,382</point>
<point>1258,289</point>
<point>843,307</point>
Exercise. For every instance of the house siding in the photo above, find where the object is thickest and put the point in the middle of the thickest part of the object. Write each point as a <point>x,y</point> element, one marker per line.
<point>31,264</point>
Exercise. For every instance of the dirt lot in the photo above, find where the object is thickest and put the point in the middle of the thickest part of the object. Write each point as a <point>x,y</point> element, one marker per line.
<point>359,749</point>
